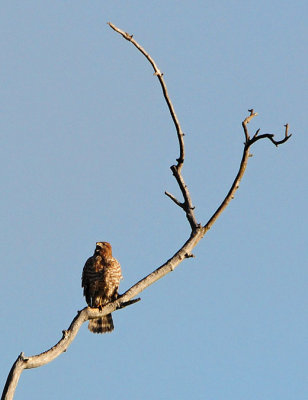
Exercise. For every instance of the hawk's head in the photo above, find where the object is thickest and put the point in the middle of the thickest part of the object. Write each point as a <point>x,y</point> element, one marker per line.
<point>104,249</point>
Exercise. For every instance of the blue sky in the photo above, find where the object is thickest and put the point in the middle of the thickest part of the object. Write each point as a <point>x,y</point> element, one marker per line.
<point>86,146</point>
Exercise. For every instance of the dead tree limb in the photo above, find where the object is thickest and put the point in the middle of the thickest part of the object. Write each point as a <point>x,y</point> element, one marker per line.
<point>197,232</point>
<point>47,356</point>
<point>176,169</point>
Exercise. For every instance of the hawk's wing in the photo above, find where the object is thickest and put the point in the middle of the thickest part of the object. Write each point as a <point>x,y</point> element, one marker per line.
<point>85,283</point>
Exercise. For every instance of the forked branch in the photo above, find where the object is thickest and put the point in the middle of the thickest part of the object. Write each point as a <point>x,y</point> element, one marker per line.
<point>236,183</point>
<point>197,232</point>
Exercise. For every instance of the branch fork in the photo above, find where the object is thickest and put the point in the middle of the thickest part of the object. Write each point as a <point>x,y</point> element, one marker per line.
<point>257,137</point>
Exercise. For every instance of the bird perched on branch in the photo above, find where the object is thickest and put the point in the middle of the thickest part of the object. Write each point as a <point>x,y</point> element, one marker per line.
<point>100,281</point>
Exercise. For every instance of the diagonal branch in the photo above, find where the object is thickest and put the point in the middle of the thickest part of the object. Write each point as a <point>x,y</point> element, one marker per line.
<point>47,356</point>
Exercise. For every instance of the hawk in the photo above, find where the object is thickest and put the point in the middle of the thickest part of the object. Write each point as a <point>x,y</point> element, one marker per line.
<point>101,277</point>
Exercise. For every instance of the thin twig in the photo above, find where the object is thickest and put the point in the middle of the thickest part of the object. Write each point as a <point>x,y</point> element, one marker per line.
<point>173,198</point>
<point>270,136</point>
<point>246,121</point>
<point>128,303</point>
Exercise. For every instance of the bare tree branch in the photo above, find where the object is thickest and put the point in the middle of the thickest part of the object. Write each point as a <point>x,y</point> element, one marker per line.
<point>197,233</point>
<point>47,356</point>
<point>270,136</point>
<point>236,183</point>
<point>176,169</point>
<point>177,202</point>
<point>159,75</point>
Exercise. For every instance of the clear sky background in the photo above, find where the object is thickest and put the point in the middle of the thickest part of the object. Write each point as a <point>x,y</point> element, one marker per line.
<point>86,146</point>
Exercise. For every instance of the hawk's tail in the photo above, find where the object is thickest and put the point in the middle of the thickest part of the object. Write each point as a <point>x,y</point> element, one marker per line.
<point>101,325</point>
